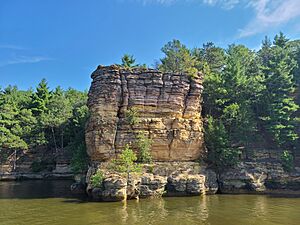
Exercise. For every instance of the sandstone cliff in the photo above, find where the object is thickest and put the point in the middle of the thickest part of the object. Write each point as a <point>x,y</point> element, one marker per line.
<point>169,112</point>
<point>168,105</point>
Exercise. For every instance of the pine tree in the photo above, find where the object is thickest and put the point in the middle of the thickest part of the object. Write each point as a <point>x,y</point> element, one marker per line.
<point>278,97</point>
<point>128,61</point>
<point>178,59</point>
<point>40,98</point>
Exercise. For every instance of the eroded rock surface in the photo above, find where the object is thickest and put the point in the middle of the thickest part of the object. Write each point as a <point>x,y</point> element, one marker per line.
<point>168,179</point>
<point>168,105</point>
<point>260,177</point>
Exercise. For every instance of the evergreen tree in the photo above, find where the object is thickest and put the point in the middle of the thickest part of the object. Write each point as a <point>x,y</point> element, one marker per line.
<point>278,115</point>
<point>178,59</point>
<point>40,98</point>
<point>128,61</point>
<point>58,113</point>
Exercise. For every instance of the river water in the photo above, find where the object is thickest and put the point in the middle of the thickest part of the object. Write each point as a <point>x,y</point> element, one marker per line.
<point>50,202</point>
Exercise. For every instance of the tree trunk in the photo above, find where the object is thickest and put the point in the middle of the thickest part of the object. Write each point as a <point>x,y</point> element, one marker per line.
<point>62,139</point>
<point>15,161</point>
<point>54,139</point>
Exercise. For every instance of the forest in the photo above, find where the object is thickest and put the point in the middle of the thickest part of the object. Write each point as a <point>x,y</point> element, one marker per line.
<point>250,100</point>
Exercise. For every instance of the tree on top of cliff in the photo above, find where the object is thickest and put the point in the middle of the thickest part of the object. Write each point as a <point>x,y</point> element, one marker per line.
<point>128,61</point>
<point>178,59</point>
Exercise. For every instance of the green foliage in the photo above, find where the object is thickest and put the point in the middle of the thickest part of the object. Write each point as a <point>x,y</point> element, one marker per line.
<point>132,116</point>
<point>278,113</point>
<point>287,161</point>
<point>250,94</point>
<point>29,119</point>
<point>144,145</point>
<point>125,163</point>
<point>231,92</point>
<point>178,59</point>
<point>128,61</point>
<point>221,154</point>
<point>40,98</point>
<point>97,179</point>
<point>247,95</point>
<point>15,122</point>
<point>210,58</point>
<point>79,161</point>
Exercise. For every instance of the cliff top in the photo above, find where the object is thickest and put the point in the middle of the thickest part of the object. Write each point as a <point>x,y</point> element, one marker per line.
<point>137,70</point>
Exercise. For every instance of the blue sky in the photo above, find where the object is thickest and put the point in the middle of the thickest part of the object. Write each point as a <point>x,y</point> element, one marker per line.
<point>64,40</point>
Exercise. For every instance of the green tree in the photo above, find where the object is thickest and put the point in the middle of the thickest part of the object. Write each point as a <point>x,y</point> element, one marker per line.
<point>278,113</point>
<point>125,163</point>
<point>221,155</point>
<point>41,98</point>
<point>280,40</point>
<point>178,59</point>
<point>128,61</point>
<point>210,58</point>
<point>144,146</point>
<point>58,113</point>
<point>76,134</point>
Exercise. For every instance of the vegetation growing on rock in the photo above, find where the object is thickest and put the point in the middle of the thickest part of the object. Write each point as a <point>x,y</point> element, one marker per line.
<point>126,162</point>
<point>97,179</point>
<point>144,147</point>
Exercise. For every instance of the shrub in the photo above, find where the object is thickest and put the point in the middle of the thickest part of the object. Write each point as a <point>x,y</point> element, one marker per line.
<point>144,146</point>
<point>125,163</point>
<point>97,179</point>
<point>287,161</point>
<point>131,116</point>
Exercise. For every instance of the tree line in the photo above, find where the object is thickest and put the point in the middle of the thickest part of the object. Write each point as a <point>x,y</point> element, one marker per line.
<point>250,100</point>
<point>54,119</point>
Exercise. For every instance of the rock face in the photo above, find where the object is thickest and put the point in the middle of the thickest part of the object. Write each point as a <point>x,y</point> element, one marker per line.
<point>37,163</point>
<point>168,110</point>
<point>158,179</point>
<point>260,177</point>
<point>168,106</point>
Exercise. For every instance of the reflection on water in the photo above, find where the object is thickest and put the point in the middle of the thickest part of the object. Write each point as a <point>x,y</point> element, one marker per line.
<point>50,202</point>
<point>35,189</point>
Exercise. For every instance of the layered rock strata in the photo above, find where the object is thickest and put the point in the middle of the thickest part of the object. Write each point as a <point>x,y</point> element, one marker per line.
<point>266,177</point>
<point>159,179</point>
<point>168,108</point>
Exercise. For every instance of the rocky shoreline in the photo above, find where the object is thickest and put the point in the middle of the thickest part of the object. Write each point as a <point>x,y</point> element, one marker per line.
<point>169,108</point>
<point>163,179</point>
<point>167,179</point>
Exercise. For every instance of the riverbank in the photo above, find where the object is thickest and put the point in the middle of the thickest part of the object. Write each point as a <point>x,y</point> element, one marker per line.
<point>162,179</point>
<point>50,202</point>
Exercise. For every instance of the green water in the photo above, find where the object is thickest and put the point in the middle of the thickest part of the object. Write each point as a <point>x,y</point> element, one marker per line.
<point>38,202</point>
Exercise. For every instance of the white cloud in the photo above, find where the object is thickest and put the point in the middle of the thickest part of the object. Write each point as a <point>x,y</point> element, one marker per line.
<point>267,13</point>
<point>270,13</point>
<point>12,47</point>
<point>24,59</point>
<point>225,4</point>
